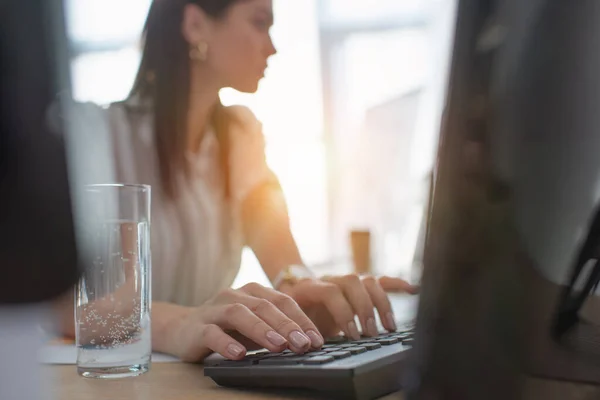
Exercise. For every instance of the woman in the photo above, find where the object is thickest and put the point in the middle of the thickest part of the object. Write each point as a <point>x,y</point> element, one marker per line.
<point>213,193</point>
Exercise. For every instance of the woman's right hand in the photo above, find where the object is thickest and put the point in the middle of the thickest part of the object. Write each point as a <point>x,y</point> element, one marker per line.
<point>236,321</point>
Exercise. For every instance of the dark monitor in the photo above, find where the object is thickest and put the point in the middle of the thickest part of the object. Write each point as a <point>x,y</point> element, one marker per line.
<point>509,288</point>
<point>38,255</point>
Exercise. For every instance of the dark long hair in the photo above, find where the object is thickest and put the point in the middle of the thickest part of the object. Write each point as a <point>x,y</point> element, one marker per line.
<point>163,80</point>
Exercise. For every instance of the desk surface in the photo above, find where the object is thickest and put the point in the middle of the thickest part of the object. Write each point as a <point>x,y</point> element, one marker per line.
<point>179,381</point>
<point>175,381</point>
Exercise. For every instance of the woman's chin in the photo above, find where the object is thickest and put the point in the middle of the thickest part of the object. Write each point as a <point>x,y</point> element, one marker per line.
<point>248,87</point>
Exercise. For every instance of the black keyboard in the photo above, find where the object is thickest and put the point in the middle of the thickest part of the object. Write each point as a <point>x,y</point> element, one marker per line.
<point>364,369</point>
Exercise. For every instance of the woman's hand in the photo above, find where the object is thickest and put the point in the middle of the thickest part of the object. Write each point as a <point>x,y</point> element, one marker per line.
<point>332,302</point>
<point>239,320</point>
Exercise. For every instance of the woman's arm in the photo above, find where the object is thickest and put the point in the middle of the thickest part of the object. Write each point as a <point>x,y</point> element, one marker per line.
<point>64,310</point>
<point>267,229</point>
<point>165,317</point>
<point>332,303</point>
<point>231,323</point>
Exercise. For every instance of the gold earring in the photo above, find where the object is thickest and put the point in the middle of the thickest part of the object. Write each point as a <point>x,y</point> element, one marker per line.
<point>199,52</point>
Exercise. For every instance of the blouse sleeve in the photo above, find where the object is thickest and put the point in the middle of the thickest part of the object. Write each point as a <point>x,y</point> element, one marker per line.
<point>86,131</point>
<point>247,159</point>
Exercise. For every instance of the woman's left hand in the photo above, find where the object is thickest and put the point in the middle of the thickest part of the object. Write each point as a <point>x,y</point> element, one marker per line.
<point>332,302</point>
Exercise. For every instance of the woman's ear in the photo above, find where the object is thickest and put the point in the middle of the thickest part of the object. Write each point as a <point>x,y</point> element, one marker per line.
<point>196,24</point>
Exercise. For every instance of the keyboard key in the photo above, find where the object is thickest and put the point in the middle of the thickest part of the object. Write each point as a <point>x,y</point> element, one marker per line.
<point>402,334</point>
<point>371,346</point>
<point>291,355</point>
<point>408,342</point>
<point>259,353</point>
<point>262,356</point>
<point>318,360</point>
<point>330,349</point>
<point>345,346</point>
<point>336,339</point>
<point>356,350</point>
<point>363,341</point>
<point>232,363</point>
<point>339,354</point>
<point>282,360</point>
<point>259,356</point>
<point>388,341</point>
<point>317,353</point>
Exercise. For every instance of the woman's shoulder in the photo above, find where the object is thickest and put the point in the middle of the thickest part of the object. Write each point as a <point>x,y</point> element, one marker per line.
<point>87,112</point>
<point>84,125</point>
<point>243,120</point>
<point>241,112</point>
<point>76,116</point>
<point>133,104</point>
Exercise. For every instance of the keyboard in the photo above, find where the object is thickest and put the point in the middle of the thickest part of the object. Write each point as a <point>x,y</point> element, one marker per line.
<point>363,369</point>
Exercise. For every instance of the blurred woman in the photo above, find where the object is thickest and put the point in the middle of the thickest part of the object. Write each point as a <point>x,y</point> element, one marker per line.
<point>213,194</point>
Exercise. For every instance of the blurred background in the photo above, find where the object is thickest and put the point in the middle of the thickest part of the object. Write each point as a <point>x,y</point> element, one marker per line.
<point>350,106</point>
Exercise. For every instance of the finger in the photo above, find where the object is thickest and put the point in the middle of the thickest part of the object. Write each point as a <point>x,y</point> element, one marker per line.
<point>249,344</point>
<point>281,323</point>
<point>239,317</point>
<point>290,309</point>
<point>390,284</point>
<point>217,340</point>
<point>330,295</point>
<point>360,300</point>
<point>381,302</point>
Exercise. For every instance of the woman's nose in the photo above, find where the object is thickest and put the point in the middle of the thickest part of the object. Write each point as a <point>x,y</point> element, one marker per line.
<point>271,50</point>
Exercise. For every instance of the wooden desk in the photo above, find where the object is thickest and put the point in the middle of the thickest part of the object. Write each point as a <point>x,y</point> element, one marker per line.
<point>169,381</point>
<point>187,382</point>
<point>179,381</point>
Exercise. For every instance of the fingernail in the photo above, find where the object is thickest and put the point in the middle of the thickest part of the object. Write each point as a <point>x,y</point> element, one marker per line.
<point>235,350</point>
<point>316,339</point>
<point>299,340</point>
<point>391,321</point>
<point>276,339</point>
<point>372,327</point>
<point>353,330</point>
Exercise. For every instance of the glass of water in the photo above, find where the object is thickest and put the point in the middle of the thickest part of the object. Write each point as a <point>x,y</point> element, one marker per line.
<point>112,303</point>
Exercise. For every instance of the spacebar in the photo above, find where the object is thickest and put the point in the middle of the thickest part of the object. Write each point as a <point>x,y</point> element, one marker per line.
<point>281,361</point>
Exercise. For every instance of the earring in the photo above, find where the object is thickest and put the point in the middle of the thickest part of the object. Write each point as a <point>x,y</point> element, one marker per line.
<point>199,52</point>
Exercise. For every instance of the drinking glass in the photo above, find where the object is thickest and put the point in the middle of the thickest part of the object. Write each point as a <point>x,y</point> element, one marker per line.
<point>112,303</point>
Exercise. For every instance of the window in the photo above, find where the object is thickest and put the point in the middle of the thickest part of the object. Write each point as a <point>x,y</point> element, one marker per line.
<point>384,67</point>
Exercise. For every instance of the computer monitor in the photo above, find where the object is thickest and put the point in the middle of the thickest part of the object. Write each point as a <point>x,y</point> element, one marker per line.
<point>37,239</point>
<point>512,246</point>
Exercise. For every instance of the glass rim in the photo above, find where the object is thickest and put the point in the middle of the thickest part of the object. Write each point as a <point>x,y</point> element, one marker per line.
<point>137,186</point>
